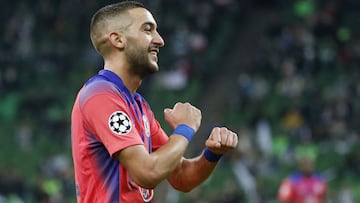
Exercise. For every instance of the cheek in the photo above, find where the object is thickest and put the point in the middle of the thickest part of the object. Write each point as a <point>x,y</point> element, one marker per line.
<point>146,41</point>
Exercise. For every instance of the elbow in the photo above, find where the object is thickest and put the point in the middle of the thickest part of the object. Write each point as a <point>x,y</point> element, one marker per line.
<point>149,180</point>
<point>186,190</point>
<point>147,183</point>
<point>179,183</point>
<point>183,187</point>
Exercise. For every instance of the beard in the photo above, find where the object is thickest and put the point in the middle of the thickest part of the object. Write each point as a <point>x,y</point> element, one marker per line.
<point>139,61</point>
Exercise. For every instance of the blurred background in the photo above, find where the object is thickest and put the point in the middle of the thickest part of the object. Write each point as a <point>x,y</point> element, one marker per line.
<point>282,74</point>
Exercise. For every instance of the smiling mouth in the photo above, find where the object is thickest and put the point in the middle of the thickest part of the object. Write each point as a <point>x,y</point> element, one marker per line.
<point>154,54</point>
<point>154,50</point>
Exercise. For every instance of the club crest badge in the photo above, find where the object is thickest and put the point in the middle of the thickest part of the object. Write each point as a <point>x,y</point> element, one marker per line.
<point>146,194</point>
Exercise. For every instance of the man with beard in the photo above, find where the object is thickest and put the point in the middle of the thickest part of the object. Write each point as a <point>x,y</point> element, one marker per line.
<point>119,149</point>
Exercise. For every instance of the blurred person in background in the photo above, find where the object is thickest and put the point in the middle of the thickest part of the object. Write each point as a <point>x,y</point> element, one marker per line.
<point>119,149</point>
<point>305,185</point>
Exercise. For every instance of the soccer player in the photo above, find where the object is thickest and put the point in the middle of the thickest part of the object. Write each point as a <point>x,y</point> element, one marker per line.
<point>119,149</point>
<point>304,186</point>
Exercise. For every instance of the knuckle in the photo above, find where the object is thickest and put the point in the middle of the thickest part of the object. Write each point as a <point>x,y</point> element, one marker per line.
<point>223,129</point>
<point>235,135</point>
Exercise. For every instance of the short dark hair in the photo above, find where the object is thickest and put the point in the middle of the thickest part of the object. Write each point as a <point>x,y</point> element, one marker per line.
<point>109,12</point>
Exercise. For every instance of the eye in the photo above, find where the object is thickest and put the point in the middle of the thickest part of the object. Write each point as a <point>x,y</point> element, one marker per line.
<point>147,29</point>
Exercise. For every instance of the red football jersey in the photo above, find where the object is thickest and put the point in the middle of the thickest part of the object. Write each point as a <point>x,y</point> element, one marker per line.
<point>107,118</point>
<point>298,188</point>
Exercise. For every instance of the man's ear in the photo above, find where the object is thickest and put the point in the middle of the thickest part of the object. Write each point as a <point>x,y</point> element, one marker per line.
<point>117,39</point>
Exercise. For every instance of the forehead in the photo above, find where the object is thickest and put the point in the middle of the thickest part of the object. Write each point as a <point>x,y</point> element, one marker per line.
<point>141,16</point>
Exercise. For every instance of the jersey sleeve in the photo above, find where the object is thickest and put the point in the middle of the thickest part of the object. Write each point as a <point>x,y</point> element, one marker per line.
<point>107,115</point>
<point>323,186</point>
<point>285,193</point>
<point>158,135</point>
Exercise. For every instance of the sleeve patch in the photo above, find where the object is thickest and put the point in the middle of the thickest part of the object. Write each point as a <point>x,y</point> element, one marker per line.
<point>119,123</point>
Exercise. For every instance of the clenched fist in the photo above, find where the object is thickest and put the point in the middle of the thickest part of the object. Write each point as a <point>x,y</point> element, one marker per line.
<point>221,140</point>
<point>183,113</point>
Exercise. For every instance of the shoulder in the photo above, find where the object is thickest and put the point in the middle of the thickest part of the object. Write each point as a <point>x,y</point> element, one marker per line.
<point>295,177</point>
<point>319,176</point>
<point>97,87</point>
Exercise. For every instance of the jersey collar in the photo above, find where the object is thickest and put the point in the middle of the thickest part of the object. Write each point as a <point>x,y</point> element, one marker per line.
<point>115,79</point>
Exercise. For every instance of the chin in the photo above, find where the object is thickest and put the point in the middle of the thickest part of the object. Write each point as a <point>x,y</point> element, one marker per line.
<point>150,69</point>
<point>154,67</point>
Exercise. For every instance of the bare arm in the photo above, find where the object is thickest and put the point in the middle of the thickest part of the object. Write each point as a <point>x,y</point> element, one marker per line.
<point>148,170</point>
<point>192,172</point>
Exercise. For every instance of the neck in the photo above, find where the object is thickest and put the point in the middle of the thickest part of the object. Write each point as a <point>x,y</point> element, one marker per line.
<point>307,173</point>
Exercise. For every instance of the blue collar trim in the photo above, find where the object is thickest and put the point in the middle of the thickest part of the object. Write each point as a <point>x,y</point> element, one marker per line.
<point>112,77</point>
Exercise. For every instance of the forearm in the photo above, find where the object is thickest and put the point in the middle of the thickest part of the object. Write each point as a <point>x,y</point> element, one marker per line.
<point>148,170</point>
<point>191,173</point>
<point>167,158</point>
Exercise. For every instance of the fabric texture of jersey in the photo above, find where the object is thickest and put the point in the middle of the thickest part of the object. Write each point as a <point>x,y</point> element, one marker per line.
<point>298,188</point>
<point>107,118</point>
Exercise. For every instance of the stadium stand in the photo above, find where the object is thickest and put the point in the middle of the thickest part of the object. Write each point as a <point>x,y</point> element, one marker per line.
<point>298,87</point>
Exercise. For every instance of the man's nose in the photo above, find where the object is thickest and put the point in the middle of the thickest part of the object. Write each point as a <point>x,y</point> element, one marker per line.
<point>158,40</point>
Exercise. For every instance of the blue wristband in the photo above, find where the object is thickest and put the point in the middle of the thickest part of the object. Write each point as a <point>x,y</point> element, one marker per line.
<point>185,131</point>
<point>210,156</point>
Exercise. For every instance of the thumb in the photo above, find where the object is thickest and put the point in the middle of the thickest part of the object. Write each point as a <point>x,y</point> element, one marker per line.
<point>167,113</point>
<point>214,139</point>
<point>167,110</point>
<point>169,117</point>
<point>212,144</point>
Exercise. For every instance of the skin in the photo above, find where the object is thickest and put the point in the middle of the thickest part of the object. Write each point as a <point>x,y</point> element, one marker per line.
<point>306,166</point>
<point>132,55</point>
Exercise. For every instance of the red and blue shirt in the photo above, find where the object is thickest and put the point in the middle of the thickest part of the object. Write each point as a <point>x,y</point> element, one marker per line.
<point>107,118</point>
<point>299,188</point>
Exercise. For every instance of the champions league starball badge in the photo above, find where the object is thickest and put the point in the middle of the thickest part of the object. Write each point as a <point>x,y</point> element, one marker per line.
<point>119,123</point>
